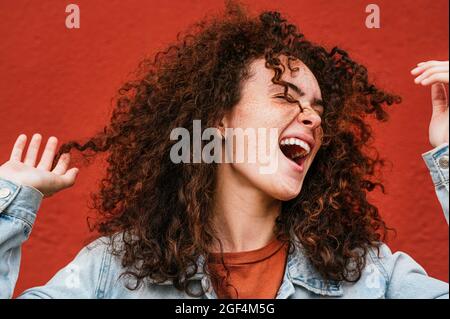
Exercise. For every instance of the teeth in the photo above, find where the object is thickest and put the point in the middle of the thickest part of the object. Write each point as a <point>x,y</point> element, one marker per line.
<point>296,141</point>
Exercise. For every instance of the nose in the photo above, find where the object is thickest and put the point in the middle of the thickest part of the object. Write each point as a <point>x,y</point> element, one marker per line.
<point>309,117</point>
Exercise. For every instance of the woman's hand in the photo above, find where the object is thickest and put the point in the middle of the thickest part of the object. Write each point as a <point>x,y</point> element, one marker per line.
<point>435,73</point>
<point>40,177</point>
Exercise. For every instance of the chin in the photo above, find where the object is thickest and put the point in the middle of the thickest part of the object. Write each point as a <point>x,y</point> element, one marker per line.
<point>287,190</point>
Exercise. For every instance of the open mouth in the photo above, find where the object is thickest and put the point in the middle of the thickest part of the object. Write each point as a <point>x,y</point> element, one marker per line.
<point>295,149</point>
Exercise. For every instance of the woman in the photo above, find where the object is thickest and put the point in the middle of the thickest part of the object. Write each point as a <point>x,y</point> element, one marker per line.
<point>225,229</point>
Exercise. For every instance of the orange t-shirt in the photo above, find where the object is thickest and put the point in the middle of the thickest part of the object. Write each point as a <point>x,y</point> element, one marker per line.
<point>252,274</point>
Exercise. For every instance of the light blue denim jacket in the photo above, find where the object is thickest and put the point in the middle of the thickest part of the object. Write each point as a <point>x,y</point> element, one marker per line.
<point>94,272</point>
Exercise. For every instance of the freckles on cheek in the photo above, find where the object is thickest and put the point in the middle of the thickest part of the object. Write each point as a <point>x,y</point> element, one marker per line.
<point>272,116</point>
<point>268,120</point>
<point>257,113</point>
<point>236,116</point>
<point>249,115</point>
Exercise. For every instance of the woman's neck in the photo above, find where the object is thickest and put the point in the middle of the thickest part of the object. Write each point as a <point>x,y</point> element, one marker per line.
<point>244,216</point>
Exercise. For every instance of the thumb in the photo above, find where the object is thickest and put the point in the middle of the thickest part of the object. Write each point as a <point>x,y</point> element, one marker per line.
<point>439,98</point>
<point>70,176</point>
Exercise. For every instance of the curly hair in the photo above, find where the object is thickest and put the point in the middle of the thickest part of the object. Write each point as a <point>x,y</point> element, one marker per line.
<point>163,211</point>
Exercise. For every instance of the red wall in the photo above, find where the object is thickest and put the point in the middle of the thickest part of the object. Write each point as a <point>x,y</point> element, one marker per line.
<point>57,81</point>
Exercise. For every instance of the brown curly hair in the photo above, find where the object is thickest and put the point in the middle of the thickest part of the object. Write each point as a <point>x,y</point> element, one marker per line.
<point>163,211</point>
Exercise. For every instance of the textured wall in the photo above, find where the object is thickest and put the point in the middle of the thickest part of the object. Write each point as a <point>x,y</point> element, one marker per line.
<point>60,82</point>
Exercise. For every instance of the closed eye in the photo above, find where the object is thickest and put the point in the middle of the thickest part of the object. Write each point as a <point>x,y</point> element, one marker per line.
<point>319,110</point>
<point>283,97</point>
<point>318,104</point>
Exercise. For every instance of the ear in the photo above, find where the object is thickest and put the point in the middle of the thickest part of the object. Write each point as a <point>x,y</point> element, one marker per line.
<point>222,125</point>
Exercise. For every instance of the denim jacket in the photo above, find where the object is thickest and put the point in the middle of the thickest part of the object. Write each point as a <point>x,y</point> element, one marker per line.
<point>95,271</point>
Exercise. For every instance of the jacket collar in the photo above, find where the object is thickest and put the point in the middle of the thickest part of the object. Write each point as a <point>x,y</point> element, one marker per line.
<point>302,273</point>
<point>299,271</point>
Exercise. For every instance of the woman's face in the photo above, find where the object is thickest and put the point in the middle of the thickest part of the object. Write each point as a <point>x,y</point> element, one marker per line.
<point>292,149</point>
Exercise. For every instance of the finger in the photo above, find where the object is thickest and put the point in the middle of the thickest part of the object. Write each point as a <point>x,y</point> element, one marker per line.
<point>439,98</point>
<point>430,71</point>
<point>68,179</point>
<point>435,78</point>
<point>62,165</point>
<point>427,64</point>
<point>417,71</point>
<point>19,146</point>
<point>48,154</point>
<point>421,67</point>
<point>33,149</point>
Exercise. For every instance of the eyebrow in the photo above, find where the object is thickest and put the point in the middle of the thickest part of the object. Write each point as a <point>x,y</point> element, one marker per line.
<point>296,89</point>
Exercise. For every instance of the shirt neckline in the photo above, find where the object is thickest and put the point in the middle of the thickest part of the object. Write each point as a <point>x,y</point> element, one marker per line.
<point>250,256</point>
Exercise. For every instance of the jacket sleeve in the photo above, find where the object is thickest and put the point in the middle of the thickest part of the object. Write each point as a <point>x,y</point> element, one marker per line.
<point>18,207</point>
<point>404,276</point>
<point>83,277</point>
<point>437,163</point>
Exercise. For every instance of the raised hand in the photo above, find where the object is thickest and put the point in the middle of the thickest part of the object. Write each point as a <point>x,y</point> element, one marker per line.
<point>38,175</point>
<point>436,73</point>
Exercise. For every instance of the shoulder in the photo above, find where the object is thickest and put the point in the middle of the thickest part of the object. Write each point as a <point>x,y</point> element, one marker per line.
<point>383,271</point>
<point>388,262</point>
<point>86,276</point>
<point>404,277</point>
<point>113,281</point>
<point>97,265</point>
<point>381,258</point>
